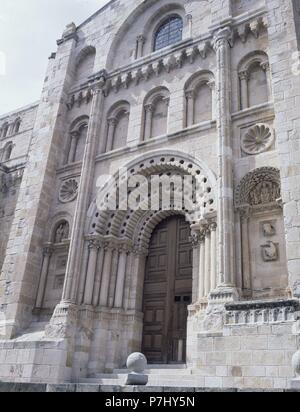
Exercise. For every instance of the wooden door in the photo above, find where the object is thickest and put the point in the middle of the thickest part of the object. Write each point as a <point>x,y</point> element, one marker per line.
<point>167,292</point>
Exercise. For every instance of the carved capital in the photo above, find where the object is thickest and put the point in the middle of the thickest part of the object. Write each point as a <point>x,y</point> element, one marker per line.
<point>244,75</point>
<point>149,108</point>
<point>189,94</point>
<point>141,39</point>
<point>47,250</point>
<point>265,66</point>
<point>222,38</point>
<point>112,121</point>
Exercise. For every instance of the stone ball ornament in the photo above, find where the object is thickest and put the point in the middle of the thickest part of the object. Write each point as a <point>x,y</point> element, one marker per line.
<point>68,191</point>
<point>257,139</point>
<point>296,364</point>
<point>136,362</point>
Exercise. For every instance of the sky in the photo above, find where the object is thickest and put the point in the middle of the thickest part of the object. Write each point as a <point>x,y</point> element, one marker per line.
<point>28,33</point>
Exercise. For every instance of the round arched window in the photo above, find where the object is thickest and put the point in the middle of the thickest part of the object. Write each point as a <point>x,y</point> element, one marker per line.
<point>169,32</point>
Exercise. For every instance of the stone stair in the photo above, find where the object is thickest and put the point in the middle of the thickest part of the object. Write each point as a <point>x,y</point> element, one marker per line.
<point>159,375</point>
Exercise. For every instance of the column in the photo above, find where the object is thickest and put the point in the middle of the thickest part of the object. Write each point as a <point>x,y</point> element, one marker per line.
<point>47,253</point>
<point>202,267</point>
<point>86,181</point>
<point>244,96</point>
<point>148,121</point>
<point>212,85</point>
<point>196,257</point>
<point>112,122</point>
<point>246,265</point>
<point>120,279</point>
<point>189,94</point>
<point>73,146</point>
<point>91,271</point>
<point>266,68</point>
<point>225,167</point>
<point>213,256</point>
<point>207,286</point>
<point>98,276</point>
<point>189,18</point>
<point>140,41</point>
<point>106,276</point>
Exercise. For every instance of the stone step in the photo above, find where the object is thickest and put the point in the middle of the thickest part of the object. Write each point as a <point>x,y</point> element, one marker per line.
<point>187,381</point>
<point>159,372</point>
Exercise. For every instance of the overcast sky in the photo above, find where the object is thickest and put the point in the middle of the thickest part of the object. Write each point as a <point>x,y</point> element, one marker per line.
<point>28,33</point>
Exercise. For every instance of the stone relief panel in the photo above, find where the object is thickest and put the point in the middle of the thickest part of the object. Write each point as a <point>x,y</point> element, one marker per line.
<point>270,251</point>
<point>62,232</point>
<point>268,228</point>
<point>68,191</point>
<point>257,139</point>
<point>264,266</point>
<point>267,254</point>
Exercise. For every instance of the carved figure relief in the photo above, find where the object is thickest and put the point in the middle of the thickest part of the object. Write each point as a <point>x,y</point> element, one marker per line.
<point>263,193</point>
<point>62,232</point>
<point>269,228</point>
<point>270,251</point>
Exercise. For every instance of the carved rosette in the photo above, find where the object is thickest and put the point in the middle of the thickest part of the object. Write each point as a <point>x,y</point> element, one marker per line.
<point>68,191</point>
<point>257,139</point>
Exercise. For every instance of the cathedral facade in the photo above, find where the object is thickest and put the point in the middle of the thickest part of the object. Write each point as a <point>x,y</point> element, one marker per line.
<point>150,200</point>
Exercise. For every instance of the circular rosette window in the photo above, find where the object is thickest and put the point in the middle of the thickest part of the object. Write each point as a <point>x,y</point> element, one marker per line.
<point>68,191</point>
<point>257,139</point>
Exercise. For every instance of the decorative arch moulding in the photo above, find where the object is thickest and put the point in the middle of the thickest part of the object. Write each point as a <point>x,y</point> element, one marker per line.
<point>125,223</point>
<point>164,61</point>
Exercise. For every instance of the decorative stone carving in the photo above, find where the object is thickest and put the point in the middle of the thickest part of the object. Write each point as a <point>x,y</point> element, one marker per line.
<point>260,186</point>
<point>269,228</point>
<point>257,139</point>
<point>62,232</point>
<point>263,193</point>
<point>270,251</point>
<point>137,364</point>
<point>260,312</point>
<point>68,191</point>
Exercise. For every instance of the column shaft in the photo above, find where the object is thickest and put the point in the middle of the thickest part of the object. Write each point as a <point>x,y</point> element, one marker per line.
<point>76,245</point>
<point>190,108</point>
<point>225,177</point>
<point>213,255</point>
<point>244,97</point>
<point>98,277</point>
<point>120,280</point>
<point>43,279</point>
<point>72,151</point>
<point>106,277</point>
<point>148,122</point>
<point>207,264</point>
<point>110,134</point>
<point>90,277</point>
<point>202,269</point>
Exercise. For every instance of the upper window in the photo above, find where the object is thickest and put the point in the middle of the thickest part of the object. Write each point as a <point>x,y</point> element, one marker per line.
<point>169,32</point>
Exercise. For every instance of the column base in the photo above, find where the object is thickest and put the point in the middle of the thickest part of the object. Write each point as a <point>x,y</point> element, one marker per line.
<point>63,322</point>
<point>223,294</point>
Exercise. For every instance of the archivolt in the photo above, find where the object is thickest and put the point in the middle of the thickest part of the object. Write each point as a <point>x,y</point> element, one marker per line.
<point>137,225</point>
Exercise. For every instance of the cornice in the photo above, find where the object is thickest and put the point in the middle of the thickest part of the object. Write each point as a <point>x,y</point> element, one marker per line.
<point>175,57</point>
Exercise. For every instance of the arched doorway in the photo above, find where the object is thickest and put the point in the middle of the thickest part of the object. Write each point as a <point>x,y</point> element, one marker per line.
<point>167,292</point>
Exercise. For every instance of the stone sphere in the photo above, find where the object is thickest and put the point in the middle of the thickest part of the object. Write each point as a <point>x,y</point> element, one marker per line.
<point>296,363</point>
<point>136,362</point>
